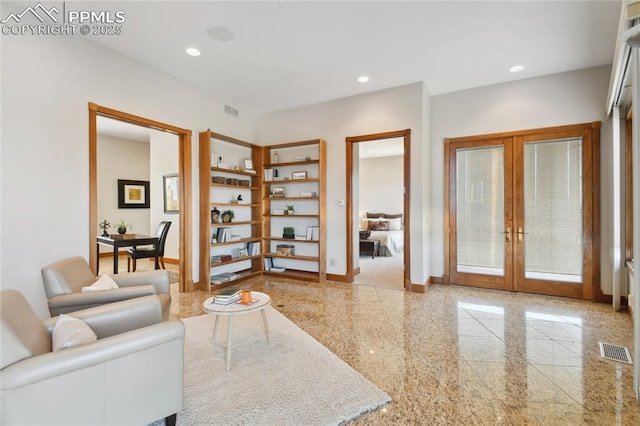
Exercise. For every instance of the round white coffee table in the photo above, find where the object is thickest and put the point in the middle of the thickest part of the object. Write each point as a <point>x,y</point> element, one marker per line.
<point>260,301</point>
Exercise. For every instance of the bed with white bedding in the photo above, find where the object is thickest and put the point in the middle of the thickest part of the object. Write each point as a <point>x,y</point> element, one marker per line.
<point>388,229</point>
<point>391,242</point>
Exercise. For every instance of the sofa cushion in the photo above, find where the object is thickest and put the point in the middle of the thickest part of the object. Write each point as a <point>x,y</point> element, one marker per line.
<point>22,333</point>
<point>70,331</point>
<point>105,282</point>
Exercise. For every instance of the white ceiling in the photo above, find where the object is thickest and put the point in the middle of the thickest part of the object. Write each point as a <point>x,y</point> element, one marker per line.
<point>381,148</point>
<point>120,129</point>
<point>292,53</point>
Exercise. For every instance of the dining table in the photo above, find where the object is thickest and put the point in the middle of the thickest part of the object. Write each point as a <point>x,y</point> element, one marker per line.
<point>124,240</point>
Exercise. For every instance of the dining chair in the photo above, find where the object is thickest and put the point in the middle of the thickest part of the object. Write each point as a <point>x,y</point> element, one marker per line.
<point>145,252</point>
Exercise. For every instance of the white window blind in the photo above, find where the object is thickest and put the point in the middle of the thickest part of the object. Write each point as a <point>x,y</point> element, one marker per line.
<point>553,209</point>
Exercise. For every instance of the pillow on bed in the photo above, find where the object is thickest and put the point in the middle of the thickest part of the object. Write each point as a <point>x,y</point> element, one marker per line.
<point>381,225</point>
<point>393,216</point>
<point>375,215</point>
<point>394,224</point>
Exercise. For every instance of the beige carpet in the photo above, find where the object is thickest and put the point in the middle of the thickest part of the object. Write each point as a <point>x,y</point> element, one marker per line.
<point>381,271</point>
<point>293,380</point>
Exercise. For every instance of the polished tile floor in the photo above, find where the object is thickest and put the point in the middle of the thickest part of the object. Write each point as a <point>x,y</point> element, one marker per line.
<point>460,355</point>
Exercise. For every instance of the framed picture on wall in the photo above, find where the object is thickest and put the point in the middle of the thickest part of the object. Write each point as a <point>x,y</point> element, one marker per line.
<point>170,191</point>
<point>133,194</point>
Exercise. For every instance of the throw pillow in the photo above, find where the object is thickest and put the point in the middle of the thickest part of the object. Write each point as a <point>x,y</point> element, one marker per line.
<point>375,215</point>
<point>395,224</point>
<point>382,225</point>
<point>105,282</point>
<point>71,331</point>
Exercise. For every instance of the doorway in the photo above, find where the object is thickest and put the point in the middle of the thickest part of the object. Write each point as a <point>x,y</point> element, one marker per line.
<point>523,211</point>
<point>184,185</point>
<point>389,226</point>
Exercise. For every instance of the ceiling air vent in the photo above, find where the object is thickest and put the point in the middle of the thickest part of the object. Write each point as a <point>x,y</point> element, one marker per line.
<point>231,111</point>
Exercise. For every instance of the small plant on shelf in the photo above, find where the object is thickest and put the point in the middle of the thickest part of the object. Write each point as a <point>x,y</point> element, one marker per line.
<point>228,215</point>
<point>288,232</point>
<point>290,209</point>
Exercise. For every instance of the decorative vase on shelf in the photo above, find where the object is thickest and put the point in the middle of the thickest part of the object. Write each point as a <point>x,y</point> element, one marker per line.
<point>276,157</point>
<point>215,215</point>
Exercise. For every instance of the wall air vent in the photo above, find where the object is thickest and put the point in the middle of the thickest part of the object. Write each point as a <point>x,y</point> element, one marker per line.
<point>231,111</point>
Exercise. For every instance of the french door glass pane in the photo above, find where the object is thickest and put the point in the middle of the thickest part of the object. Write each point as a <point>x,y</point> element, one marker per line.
<point>480,210</point>
<point>553,210</point>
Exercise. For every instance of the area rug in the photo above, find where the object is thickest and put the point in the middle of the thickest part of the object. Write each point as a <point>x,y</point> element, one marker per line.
<point>291,380</point>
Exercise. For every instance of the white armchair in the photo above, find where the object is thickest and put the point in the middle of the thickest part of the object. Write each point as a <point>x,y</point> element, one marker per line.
<point>63,282</point>
<point>132,375</point>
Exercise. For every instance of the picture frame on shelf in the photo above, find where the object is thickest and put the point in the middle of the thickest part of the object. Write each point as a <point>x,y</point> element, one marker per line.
<point>248,164</point>
<point>133,194</point>
<point>243,252</point>
<point>278,192</point>
<point>299,175</point>
<point>170,193</point>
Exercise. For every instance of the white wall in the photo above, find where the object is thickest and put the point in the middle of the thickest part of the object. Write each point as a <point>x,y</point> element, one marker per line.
<point>120,159</point>
<point>381,183</point>
<point>164,161</point>
<point>560,99</point>
<point>46,85</point>
<point>382,111</point>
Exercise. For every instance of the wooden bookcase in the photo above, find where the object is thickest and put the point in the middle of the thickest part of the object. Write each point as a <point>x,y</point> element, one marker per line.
<point>245,229</point>
<point>301,175</point>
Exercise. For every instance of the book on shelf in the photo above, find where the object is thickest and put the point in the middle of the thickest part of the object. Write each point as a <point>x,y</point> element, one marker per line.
<point>301,158</point>
<point>277,269</point>
<point>253,248</point>
<point>300,237</point>
<point>231,275</point>
<point>268,263</point>
<point>268,175</point>
<point>221,235</point>
<point>313,233</point>
<point>220,258</point>
<point>308,194</point>
<point>217,279</point>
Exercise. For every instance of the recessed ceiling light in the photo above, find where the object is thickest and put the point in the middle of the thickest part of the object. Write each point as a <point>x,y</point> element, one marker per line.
<point>516,68</point>
<point>363,79</point>
<point>193,51</point>
<point>220,33</point>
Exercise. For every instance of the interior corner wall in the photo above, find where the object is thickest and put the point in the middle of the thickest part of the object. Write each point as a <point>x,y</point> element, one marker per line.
<point>555,100</point>
<point>120,159</point>
<point>387,110</point>
<point>47,83</point>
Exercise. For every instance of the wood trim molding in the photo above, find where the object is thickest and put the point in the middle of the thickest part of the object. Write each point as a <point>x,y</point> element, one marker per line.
<point>184,170</point>
<point>591,131</point>
<point>337,277</point>
<point>350,141</point>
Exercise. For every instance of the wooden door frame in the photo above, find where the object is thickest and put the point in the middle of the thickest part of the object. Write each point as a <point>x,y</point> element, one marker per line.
<point>350,140</point>
<point>185,186</point>
<point>595,292</point>
<point>504,282</point>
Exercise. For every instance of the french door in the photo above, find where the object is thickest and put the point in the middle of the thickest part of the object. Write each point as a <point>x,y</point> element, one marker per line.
<point>521,211</point>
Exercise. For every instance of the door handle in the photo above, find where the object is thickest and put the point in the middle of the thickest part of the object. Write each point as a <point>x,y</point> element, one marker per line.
<point>507,231</point>
<point>521,233</point>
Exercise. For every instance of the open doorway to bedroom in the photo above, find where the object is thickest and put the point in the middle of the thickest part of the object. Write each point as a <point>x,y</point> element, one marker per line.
<point>377,207</point>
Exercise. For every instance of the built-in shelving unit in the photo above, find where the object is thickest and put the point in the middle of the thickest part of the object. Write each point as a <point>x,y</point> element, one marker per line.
<point>224,162</point>
<point>294,174</point>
